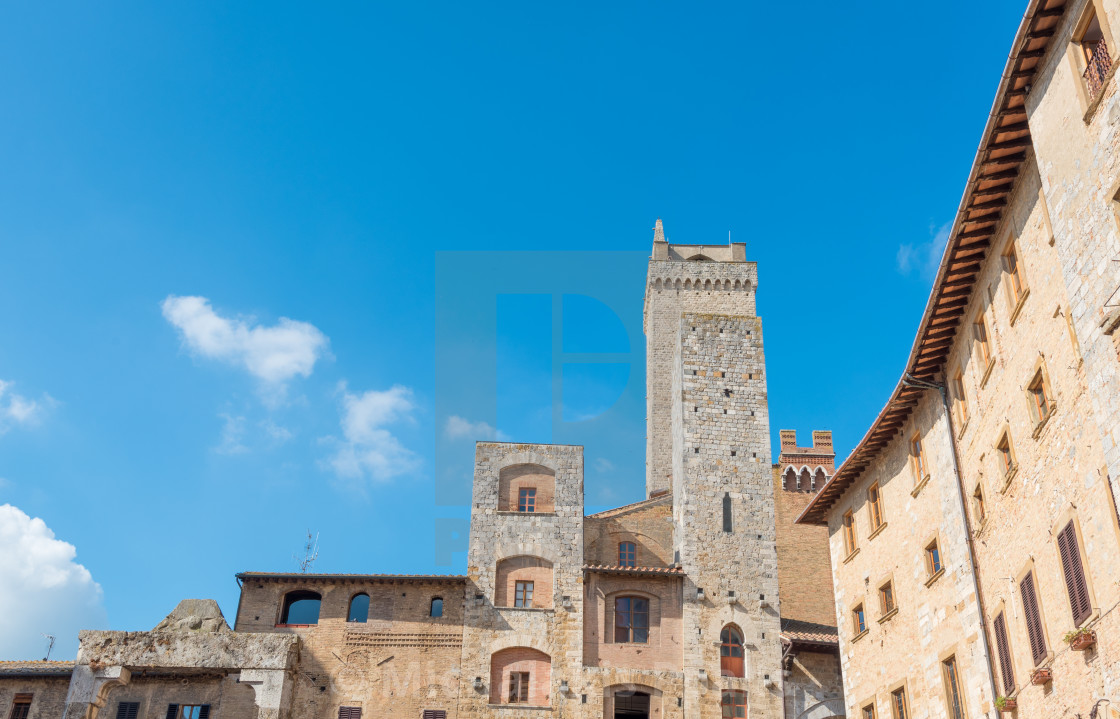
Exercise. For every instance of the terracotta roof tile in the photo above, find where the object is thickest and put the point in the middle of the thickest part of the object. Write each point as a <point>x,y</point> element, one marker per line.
<point>313,577</point>
<point>617,569</point>
<point>794,630</point>
<point>36,668</point>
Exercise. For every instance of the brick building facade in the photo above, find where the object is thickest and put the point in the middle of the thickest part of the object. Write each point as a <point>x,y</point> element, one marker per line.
<point>973,531</point>
<point>702,601</point>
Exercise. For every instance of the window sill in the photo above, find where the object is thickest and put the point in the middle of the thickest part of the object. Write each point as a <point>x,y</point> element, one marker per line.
<point>1096,102</point>
<point>1008,476</point>
<point>987,372</point>
<point>859,636</point>
<point>918,487</point>
<point>1051,407</point>
<point>530,609</point>
<point>537,707</point>
<point>1019,306</point>
<point>514,513</point>
<point>888,616</point>
<point>936,575</point>
<point>877,531</point>
<point>851,555</point>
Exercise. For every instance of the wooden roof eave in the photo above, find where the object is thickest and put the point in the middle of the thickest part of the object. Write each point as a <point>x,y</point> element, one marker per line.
<point>939,315</point>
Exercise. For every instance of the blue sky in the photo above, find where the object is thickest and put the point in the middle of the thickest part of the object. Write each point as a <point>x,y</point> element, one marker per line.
<point>266,270</point>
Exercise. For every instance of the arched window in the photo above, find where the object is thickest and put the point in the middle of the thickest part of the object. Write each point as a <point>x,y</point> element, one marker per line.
<point>359,608</point>
<point>631,620</point>
<point>437,607</point>
<point>790,482</point>
<point>300,607</point>
<point>804,480</point>
<point>627,554</point>
<point>818,479</point>
<point>731,652</point>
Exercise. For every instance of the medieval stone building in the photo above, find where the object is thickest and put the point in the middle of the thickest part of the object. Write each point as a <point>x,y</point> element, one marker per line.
<point>974,534</point>
<point>704,600</point>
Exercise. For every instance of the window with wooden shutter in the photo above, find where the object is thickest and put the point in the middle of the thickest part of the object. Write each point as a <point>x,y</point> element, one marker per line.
<point>1074,573</point>
<point>435,714</point>
<point>21,706</point>
<point>1003,648</point>
<point>128,710</point>
<point>1033,618</point>
<point>349,713</point>
<point>172,711</point>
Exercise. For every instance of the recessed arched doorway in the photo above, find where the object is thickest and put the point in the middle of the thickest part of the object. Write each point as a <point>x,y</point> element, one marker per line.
<point>631,705</point>
<point>631,701</point>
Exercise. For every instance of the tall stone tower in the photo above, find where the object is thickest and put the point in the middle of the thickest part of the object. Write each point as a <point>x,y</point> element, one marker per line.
<point>683,278</point>
<point>710,445</point>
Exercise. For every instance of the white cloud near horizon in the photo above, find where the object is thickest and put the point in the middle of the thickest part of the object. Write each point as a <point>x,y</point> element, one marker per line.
<point>275,355</point>
<point>18,410</point>
<point>925,257</point>
<point>42,590</point>
<point>368,449</point>
<point>457,427</point>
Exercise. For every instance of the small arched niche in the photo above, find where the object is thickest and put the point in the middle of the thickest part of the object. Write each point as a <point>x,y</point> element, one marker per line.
<point>523,582</point>
<point>359,608</point>
<point>527,488</point>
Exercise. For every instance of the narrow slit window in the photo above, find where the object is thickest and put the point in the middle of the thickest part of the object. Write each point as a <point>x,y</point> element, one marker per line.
<point>727,512</point>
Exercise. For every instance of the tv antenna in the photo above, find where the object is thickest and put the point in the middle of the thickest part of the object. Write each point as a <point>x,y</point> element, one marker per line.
<point>310,553</point>
<point>50,646</point>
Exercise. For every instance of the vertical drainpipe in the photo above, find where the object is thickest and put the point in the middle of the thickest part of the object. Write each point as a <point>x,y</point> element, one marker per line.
<point>907,379</point>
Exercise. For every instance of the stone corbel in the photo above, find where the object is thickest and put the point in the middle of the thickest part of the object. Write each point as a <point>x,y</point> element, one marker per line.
<point>89,688</point>
<point>270,689</point>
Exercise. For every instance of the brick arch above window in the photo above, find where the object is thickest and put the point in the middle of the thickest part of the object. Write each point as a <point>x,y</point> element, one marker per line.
<point>529,488</point>
<point>520,675</point>
<point>512,570</point>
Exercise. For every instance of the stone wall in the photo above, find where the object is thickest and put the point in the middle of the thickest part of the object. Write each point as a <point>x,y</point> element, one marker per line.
<point>813,687</point>
<point>723,506</point>
<point>48,694</point>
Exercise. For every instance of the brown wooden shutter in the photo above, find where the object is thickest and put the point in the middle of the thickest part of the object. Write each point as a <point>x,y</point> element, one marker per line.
<point>1074,574</point>
<point>204,711</point>
<point>1034,619</point>
<point>435,714</point>
<point>172,711</point>
<point>349,713</point>
<point>128,710</point>
<point>1004,649</point>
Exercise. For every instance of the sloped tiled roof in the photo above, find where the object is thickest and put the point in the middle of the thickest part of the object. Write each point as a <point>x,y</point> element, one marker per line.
<point>665,498</point>
<point>36,669</point>
<point>795,630</point>
<point>299,576</point>
<point>616,569</point>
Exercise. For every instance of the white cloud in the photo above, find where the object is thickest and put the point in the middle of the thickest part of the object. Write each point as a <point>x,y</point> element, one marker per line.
<point>603,465</point>
<point>459,428</point>
<point>924,257</point>
<point>42,590</point>
<point>275,354</point>
<point>276,433</point>
<point>15,409</point>
<point>233,435</point>
<point>368,448</point>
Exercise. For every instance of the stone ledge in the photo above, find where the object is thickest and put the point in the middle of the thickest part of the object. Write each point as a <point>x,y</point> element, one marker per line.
<point>233,650</point>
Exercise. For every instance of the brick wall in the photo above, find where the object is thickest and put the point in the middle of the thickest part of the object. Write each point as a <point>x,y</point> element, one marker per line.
<point>804,565</point>
<point>663,650</point>
<point>526,476</point>
<point>521,659</point>
<point>649,525</point>
<point>524,569</point>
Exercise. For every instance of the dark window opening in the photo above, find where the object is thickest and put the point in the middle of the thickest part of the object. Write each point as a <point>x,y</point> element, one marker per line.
<point>627,554</point>
<point>352,713</point>
<point>726,512</point>
<point>301,607</point>
<point>21,706</point>
<point>359,608</point>
<point>734,704</point>
<point>631,620</point>
<point>631,704</point>
<point>188,711</point>
<point>437,607</point>
<point>128,710</point>
<point>435,714</point>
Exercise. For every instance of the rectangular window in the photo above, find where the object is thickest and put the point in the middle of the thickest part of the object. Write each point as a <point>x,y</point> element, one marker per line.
<point>918,459</point>
<point>519,687</point>
<point>128,710</point>
<point>980,333</point>
<point>631,620</point>
<point>961,399</point>
<point>1095,58</point>
<point>349,713</point>
<point>435,714</point>
<point>526,500</point>
<point>1033,617</point>
<point>978,505</point>
<point>1003,649</point>
<point>1074,572</point>
<point>849,532</point>
<point>859,621</point>
<point>869,712</point>
<point>627,554</point>
<point>1016,286</point>
<point>1005,455</point>
<point>953,696</point>
<point>886,598</point>
<point>734,704</point>
<point>1038,396</point>
<point>933,558</point>
<point>875,506</point>
<point>188,711</point>
<point>900,707</point>
<point>523,594</point>
<point>21,706</point>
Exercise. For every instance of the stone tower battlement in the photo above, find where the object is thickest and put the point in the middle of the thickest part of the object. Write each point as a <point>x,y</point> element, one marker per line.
<point>705,279</point>
<point>805,469</point>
